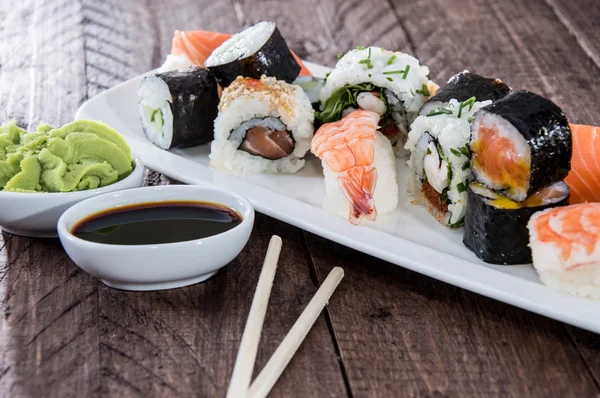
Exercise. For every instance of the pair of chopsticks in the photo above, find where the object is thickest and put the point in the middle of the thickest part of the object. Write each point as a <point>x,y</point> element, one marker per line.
<point>239,386</point>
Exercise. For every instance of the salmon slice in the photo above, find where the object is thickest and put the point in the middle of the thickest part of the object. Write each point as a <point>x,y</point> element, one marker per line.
<point>584,177</point>
<point>197,45</point>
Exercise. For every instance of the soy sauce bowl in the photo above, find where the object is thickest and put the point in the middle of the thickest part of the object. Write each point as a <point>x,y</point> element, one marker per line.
<point>156,266</point>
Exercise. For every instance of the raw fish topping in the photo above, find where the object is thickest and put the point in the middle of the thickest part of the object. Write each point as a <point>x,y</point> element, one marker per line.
<point>574,229</point>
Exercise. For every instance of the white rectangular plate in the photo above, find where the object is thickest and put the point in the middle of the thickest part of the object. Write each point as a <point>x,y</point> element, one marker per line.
<point>409,237</point>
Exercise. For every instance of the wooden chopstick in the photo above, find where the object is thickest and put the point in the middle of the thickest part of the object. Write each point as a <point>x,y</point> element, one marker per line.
<point>290,344</point>
<point>244,363</point>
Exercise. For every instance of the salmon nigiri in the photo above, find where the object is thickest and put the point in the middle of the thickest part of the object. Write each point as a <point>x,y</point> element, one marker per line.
<point>584,177</point>
<point>565,244</point>
<point>193,47</point>
<point>359,166</point>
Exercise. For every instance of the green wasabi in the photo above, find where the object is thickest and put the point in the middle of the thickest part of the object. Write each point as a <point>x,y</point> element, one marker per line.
<point>81,155</point>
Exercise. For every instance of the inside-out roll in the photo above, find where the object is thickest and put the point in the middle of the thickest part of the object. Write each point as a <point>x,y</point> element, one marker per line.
<point>438,144</point>
<point>520,144</point>
<point>496,226</point>
<point>263,125</point>
<point>392,84</point>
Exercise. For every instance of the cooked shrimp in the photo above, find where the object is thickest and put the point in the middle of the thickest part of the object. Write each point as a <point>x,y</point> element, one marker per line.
<point>347,147</point>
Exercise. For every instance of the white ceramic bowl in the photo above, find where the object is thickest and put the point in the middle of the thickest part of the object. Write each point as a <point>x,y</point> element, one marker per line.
<point>36,214</point>
<point>160,266</point>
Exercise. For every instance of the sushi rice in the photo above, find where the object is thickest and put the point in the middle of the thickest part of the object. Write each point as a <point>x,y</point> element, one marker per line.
<point>267,102</point>
<point>400,76</point>
<point>565,245</point>
<point>440,156</point>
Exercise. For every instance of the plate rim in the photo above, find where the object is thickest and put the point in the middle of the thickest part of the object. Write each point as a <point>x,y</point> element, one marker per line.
<point>511,289</point>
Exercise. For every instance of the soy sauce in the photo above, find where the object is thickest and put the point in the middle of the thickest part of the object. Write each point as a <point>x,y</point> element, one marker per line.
<point>156,223</point>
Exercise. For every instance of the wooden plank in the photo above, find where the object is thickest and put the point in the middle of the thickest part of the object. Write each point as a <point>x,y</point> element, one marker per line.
<point>401,331</point>
<point>48,323</point>
<point>320,30</point>
<point>580,19</point>
<point>184,342</point>
<point>499,39</point>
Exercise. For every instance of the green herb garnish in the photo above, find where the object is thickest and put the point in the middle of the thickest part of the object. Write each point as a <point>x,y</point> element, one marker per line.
<point>369,53</point>
<point>423,91</point>
<point>360,47</point>
<point>405,75</point>
<point>367,62</point>
<point>469,119</point>
<point>340,99</point>
<point>465,151</point>
<point>465,166</point>
<point>439,111</point>
<point>390,79</point>
<point>461,187</point>
<point>391,60</point>
<point>464,104</point>
<point>393,72</point>
<point>455,152</point>
<point>340,55</point>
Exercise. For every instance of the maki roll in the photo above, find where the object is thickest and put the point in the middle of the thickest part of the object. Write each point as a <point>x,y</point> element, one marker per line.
<point>520,144</point>
<point>496,226</point>
<point>359,167</point>
<point>256,51</point>
<point>392,84</point>
<point>462,87</point>
<point>263,125</point>
<point>438,144</point>
<point>178,108</point>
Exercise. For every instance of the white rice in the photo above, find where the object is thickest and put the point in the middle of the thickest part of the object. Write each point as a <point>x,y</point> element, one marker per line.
<point>452,133</point>
<point>175,62</point>
<point>504,129</point>
<point>154,96</point>
<point>242,44</point>
<point>383,73</point>
<point>565,275</point>
<point>386,190</point>
<point>273,98</point>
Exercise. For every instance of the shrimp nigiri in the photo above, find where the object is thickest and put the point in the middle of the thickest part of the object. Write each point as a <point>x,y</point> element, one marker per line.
<point>565,244</point>
<point>193,47</point>
<point>359,166</point>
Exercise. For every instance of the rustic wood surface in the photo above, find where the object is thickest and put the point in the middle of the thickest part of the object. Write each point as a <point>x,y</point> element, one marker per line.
<point>387,332</point>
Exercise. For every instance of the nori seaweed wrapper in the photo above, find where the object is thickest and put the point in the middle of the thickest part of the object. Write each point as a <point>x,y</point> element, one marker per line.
<point>273,59</point>
<point>195,102</point>
<point>465,85</point>
<point>546,130</point>
<point>500,235</point>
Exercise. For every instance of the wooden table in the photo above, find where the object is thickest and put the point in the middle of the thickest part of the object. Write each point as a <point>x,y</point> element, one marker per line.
<point>387,332</point>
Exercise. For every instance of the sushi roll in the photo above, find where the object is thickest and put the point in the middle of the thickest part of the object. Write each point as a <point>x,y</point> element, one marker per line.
<point>256,51</point>
<point>462,87</point>
<point>392,84</point>
<point>263,125</point>
<point>359,166</point>
<point>496,226</point>
<point>520,144</point>
<point>438,144</point>
<point>565,244</point>
<point>312,86</point>
<point>178,108</point>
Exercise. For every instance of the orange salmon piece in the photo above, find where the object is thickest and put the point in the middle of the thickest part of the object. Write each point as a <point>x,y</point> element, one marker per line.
<point>584,177</point>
